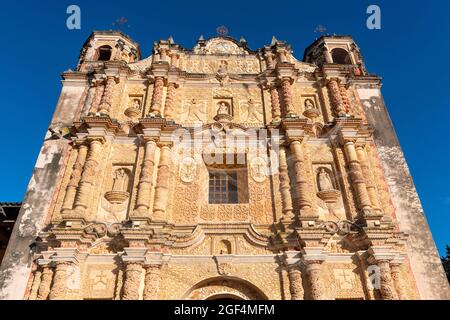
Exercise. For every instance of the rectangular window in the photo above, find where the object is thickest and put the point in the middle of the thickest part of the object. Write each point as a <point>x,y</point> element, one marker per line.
<point>223,187</point>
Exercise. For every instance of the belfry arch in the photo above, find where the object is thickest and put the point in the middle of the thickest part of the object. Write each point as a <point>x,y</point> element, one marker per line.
<point>224,287</point>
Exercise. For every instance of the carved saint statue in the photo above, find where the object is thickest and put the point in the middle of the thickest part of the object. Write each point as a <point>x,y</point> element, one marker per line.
<point>120,182</point>
<point>324,181</point>
<point>223,108</point>
<point>309,104</point>
<point>136,104</point>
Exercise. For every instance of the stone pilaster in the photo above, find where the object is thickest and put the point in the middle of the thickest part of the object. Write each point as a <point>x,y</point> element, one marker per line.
<point>146,181</point>
<point>386,286</point>
<point>169,107</point>
<point>269,60</point>
<point>356,175</point>
<point>301,183</point>
<point>133,274</point>
<point>87,180</point>
<point>106,101</point>
<point>59,286</point>
<point>152,274</point>
<point>397,280</point>
<point>75,177</point>
<point>37,277</point>
<point>336,99</point>
<point>162,183</point>
<point>285,186</point>
<point>157,96</point>
<point>370,180</point>
<point>275,103</point>
<point>174,57</point>
<point>287,97</point>
<point>381,257</point>
<point>45,283</point>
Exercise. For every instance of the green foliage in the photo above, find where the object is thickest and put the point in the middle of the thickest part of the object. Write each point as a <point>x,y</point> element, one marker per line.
<point>446,262</point>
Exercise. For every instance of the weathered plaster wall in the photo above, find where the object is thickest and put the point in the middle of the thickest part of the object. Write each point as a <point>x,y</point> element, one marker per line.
<point>426,265</point>
<point>50,164</point>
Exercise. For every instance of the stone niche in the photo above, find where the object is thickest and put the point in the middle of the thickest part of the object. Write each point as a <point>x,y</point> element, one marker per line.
<point>135,106</point>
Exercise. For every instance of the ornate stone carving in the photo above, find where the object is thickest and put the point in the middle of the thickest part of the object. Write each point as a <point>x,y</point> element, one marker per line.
<point>119,192</point>
<point>285,186</point>
<point>336,99</point>
<point>169,107</point>
<point>162,184</point>
<point>60,281</point>
<point>317,289</point>
<point>251,111</point>
<point>135,108</point>
<point>295,282</point>
<point>46,281</point>
<point>133,274</point>
<point>386,286</point>
<point>83,195</point>
<point>35,284</point>
<point>287,97</point>
<point>258,169</point>
<point>106,101</point>
<point>398,281</point>
<point>152,274</point>
<point>275,101</point>
<point>146,180</point>
<point>304,201</point>
<point>157,96</point>
<point>71,190</point>
<point>188,169</point>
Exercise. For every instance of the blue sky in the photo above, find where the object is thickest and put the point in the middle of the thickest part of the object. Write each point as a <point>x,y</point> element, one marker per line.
<point>410,52</point>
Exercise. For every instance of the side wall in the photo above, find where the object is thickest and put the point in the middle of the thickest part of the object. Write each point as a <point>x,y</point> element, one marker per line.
<point>16,265</point>
<point>425,262</point>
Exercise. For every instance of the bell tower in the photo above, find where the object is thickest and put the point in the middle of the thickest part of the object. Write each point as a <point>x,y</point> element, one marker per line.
<point>110,45</point>
<point>336,50</point>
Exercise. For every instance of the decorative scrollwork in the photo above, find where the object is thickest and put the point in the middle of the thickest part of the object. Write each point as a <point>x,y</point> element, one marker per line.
<point>342,228</point>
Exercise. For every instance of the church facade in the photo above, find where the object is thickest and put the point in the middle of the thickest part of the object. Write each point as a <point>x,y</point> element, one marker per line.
<point>221,172</point>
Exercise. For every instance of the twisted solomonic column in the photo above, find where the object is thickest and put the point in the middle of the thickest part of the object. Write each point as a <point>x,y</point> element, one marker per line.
<point>295,282</point>
<point>275,102</point>
<point>287,97</point>
<point>162,183</point>
<point>45,283</point>
<point>99,89</point>
<point>169,108</point>
<point>152,276</point>
<point>106,101</point>
<point>336,99</point>
<point>133,275</point>
<point>158,87</point>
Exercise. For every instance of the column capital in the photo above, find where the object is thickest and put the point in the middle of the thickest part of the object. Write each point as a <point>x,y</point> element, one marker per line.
<point>100,139</point>
<point>291,258</point>
<point>381,255</point>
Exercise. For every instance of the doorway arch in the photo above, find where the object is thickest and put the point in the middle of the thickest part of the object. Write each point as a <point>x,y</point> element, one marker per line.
<point>224,287</point>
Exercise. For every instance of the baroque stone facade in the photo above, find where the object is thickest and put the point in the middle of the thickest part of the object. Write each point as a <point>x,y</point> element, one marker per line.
<point>221,172</point>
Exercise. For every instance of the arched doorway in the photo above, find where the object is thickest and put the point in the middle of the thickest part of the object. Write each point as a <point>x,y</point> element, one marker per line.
<point>224,288</point>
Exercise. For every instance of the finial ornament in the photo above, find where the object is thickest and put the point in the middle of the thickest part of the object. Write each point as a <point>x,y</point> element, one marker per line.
<point>222,30</point>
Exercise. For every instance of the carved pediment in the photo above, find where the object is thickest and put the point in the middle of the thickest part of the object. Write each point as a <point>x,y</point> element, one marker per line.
<point>220,45</point>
